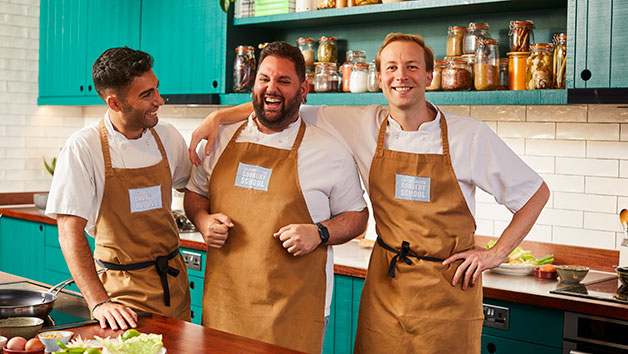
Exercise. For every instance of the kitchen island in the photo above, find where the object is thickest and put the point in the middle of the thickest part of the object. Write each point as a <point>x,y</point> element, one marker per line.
<point>178,336</point>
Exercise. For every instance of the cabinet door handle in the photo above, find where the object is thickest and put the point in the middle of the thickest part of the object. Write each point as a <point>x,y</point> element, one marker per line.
<point>81,88</point>
<point>191,313</point>
<point>89,88</point>
<point>192,285</point>
<point>41,228</point>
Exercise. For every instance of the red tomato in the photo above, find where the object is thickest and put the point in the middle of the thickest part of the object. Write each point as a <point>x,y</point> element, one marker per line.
<point>34,344</point>
<point>16,343</point>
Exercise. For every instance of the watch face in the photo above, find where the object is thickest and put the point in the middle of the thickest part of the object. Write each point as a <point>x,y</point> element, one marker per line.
<point>323,232</point>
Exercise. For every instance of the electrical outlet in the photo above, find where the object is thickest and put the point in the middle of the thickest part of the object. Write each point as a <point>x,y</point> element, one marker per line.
<point>192,260</point>
<point>496,316</point>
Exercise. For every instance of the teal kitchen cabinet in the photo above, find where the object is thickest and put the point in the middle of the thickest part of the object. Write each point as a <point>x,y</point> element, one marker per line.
<point>21,248</point>
<point>598,47</point>
<point>55,267</point>
<point>531,329</point>
<point>195,260</point>
<point>187,40</point>
<point>73,33</point>
<point>343,320</point>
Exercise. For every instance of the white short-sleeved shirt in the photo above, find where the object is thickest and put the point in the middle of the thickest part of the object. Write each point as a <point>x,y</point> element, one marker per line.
<point>327,173</point>
<point>78,182</point>
<point>479,157</point>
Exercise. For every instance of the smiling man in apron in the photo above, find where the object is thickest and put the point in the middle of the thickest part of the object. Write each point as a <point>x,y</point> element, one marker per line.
<point>421,167</point>
<point>269,202</point>
<point>114,180</point>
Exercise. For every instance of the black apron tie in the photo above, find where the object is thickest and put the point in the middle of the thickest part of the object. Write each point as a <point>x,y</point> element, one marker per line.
<point>403,255</point>
<point>161,266</point>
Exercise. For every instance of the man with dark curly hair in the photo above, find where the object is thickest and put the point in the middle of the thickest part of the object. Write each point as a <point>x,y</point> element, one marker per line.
<point>114,180</point>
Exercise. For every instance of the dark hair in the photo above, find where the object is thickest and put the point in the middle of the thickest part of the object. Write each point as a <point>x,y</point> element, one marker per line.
<point>117,67</point>
<point>286,51</point>
<point>428,55</point>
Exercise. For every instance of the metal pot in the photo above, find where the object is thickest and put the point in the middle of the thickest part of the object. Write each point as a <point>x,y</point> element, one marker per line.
<point>29,303</point>
<point>622,272</point>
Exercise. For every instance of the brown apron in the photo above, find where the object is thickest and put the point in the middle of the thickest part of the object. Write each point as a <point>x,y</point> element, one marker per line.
<point>408,304</point>
<point>137,238</point>
<point>253,286</point>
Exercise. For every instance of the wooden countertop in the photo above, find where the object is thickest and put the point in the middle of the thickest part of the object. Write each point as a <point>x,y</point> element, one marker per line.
<point>27,212</point>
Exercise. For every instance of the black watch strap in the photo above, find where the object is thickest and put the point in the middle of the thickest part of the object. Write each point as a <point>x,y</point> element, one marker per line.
<point>323,232</point>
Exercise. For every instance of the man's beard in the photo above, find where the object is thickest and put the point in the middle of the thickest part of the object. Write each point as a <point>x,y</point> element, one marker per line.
<point>288,111</point>
<point>137,117</point>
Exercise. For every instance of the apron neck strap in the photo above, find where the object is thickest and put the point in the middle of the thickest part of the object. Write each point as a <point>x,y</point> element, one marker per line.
<point>381,136</point>
<point>298,139</point>
<point>162,150</point>
<point>232,141</point>
<point>104,143</point>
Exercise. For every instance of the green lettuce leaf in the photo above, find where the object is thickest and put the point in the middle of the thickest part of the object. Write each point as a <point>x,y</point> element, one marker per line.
<point>142,344</point>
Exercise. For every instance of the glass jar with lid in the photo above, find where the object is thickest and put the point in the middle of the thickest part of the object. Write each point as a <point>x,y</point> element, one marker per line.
<point>244,69</point>
<point>539,67</point>
<point>486,68</point>
<point>326,77</point>
<point>327,50</point>
<point>456,75</point>
<point>470,59</point>
<point>359,77</point>
<point>521,35</point>
<point>454,40</point>
<point>517,68</point>
<point>353,57</point>
<point>310,81</point>
<point>474,31</point>
<point>435,85</point>
<point>326,4</point>
<point>373,82</point>
<point>560,60</point>
<point>503,74</point>
<point>306,45</point>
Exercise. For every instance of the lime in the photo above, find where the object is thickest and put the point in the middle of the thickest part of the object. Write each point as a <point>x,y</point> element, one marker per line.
<point>130,334</point>
<point>93,351</point>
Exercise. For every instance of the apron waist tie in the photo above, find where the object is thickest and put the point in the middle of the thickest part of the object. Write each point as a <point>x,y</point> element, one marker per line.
<point>161,265</point>
<point>403,255</point>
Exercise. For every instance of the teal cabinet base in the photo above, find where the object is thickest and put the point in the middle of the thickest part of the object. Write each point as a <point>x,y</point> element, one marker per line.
<point>196,314</point>
<point>499,345</point>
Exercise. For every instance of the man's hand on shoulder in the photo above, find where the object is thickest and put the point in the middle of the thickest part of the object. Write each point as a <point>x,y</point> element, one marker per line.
<point>215,229</point>
<point>298,239</point>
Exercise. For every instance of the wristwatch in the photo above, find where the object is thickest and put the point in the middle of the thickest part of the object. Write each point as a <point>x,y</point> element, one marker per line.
<point>323,233</point>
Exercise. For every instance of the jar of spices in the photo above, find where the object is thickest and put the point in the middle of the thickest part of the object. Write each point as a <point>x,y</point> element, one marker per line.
<point>486,69</point>
<point>327,50</point>
<point>373,82</point>
<point>560,60</point>
<point>503,74</point>
<point>359,77</point>
<point>326,4</point>
<point>454,41</point>
<point>456,75</point>
<point>306,45</point>
<point>521,35</point>
<point>539,67</point>
<point>244,69</point>
<point>353,57</point>
<point>474,31</point>
<point>435,85</point>
<point>326,78</point>
<point>517,68</point>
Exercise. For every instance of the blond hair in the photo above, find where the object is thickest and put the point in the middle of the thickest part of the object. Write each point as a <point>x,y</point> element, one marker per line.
<point>397,37</point>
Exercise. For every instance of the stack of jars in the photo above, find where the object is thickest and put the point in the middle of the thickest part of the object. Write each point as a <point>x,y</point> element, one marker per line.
<point>326,77</point>
<point>521,35</point>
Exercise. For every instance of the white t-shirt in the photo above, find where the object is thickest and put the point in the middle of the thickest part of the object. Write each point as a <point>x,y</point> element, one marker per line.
<point>327,174</point>
<point>479,157</point>
<point>79,179</point>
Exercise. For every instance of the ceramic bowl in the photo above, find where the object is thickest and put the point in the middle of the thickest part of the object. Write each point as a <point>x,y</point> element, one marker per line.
<point>26,327</point>
<point>3,342</point>
<point>541,274</point>
<point>40,200</point>
<point>50,339</point>
<point>571,273</point>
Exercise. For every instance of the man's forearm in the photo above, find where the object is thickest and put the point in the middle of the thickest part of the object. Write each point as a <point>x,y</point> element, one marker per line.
<point>346,226</point>
<point>195,206</point>
<point>79,258</point>
<point>522,221</point>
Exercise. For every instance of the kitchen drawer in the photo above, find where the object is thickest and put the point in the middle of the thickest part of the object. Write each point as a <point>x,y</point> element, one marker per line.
<point>53,277</point>
<point>196,290</point>
<point>499,345</point>
<point>197,314</point>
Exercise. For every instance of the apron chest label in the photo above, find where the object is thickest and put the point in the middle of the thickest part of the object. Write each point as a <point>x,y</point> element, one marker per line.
<point>412,188</point>
<point>254,177</point>
<point>143,199</point>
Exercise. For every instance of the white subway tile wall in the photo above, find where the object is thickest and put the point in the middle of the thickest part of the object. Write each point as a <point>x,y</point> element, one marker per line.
<point>580,150</point>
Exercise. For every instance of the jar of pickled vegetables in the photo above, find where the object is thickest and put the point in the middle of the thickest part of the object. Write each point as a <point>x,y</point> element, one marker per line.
<point>540,74</point>
<point>435,85</point>
<point>244,69</point>
<point>486,68</point>
<point>517,69</point>
<point>476,30</point>
<point>327,50</point>
<point>456,75</point>
<point>521,35</point>
<point>306,45</point>
<point>559,63</point>
<point>454,41</point>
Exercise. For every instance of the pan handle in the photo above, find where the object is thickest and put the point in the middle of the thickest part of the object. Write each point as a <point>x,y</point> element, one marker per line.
<point>57,288</point>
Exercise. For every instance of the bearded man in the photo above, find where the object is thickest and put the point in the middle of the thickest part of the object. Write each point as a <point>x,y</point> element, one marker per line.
<point>270,200</point>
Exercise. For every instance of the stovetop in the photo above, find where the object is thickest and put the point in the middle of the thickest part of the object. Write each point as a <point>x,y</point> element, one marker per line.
<point>607,289</point>
<point>70,310</point>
